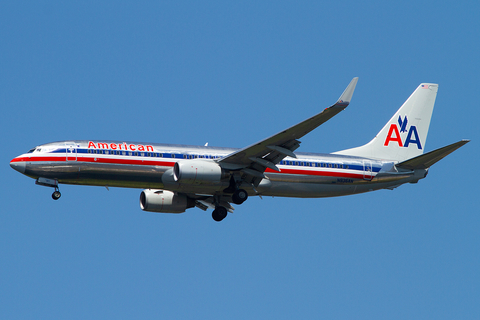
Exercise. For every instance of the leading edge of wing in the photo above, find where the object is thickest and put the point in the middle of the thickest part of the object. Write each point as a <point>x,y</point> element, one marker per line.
<point>281,139</point>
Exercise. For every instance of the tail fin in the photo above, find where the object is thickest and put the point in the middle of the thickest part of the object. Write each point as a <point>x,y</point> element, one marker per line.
<point>404,136</point>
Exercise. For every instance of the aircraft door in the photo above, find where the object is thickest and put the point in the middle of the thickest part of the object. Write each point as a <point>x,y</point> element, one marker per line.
<point>367,170</point>
<point>71,150</point>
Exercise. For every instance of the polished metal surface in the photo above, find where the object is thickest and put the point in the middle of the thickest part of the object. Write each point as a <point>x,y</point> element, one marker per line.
<point>339,175</point>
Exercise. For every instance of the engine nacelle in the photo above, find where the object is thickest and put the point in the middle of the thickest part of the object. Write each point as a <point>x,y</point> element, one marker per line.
<point>164,201</point>
<point>198,172</point>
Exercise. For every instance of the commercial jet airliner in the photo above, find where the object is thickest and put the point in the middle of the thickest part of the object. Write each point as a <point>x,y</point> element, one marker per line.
<point>178,177</point>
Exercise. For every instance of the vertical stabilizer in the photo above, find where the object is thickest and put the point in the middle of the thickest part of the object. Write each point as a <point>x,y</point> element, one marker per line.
<point>404,136</point>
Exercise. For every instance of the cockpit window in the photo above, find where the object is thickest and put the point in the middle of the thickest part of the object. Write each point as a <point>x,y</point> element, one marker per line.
<point>31,150</point>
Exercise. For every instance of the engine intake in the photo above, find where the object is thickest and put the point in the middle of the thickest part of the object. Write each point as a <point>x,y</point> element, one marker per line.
<point>198,172</point>
<point>164,201</point>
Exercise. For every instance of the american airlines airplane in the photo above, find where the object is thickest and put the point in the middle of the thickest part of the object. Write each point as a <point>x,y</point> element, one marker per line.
<point>178,177</point>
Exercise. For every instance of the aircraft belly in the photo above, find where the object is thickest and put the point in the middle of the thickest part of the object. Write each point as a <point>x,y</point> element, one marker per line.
<point>307,190</point>
<point>100,174</point>
<point>304,186</point>
<point>161,177</point>
<point>318,187</point>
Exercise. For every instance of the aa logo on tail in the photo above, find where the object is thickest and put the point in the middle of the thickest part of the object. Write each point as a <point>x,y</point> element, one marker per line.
<point>395,130</point>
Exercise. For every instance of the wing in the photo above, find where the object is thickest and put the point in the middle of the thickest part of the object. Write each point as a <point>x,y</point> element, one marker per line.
<point>253,160</point>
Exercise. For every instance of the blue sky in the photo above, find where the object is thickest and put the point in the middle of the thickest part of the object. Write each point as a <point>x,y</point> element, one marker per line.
<point>230,75</point>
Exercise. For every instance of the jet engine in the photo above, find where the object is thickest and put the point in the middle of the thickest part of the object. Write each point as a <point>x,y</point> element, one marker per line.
<point>164,201</point>
<point>198,172</point>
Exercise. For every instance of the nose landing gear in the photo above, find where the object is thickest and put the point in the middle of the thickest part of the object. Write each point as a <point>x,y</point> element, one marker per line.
<point>50,183</point>
<point>56,194</point>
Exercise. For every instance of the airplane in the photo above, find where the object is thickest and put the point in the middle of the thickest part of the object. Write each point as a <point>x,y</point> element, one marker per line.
<point>178,177</point>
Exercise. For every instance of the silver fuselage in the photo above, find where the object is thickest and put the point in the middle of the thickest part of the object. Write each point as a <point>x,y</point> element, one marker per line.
<point>150,166</point>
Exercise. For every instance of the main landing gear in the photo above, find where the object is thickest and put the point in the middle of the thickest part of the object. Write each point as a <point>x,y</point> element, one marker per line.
<point>219,213</point>
<point>239,196</point>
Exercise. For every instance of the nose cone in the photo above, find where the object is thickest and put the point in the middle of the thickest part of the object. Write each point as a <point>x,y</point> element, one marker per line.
<point>18,165</point>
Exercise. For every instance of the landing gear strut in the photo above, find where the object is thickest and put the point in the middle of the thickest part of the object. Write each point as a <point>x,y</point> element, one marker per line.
<point>219,213</point>
<point>50,183</point>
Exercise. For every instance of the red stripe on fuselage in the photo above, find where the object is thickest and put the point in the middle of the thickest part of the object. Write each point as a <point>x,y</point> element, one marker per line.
<point>171,164</point>
<point>317,173</point>
<point>96,160</point>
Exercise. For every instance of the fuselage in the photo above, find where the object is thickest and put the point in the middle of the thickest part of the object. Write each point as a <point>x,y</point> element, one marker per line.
<point>178,177</point>
<point>150,166</point>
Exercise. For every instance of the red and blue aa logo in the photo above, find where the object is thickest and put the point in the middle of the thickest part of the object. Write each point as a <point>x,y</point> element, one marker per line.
<point>395,137</point>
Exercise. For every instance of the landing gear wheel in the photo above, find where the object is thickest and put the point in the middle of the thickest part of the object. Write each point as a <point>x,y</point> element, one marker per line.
<point>219,213</point>
<point>239,196</point>
<point>56,195</point>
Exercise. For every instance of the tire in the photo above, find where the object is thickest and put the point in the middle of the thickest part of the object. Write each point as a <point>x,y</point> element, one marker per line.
<point>219,214</point>
<point>239,196</point>
<point>56,195</point>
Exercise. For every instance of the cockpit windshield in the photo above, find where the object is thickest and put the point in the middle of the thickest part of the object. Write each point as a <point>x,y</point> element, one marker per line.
<point>31,150</point>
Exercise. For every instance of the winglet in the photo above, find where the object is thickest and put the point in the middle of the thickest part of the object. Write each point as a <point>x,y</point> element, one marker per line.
<point>346,96</point>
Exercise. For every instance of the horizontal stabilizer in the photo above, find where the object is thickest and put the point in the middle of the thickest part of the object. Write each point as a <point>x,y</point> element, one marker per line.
<point>426,160</point>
